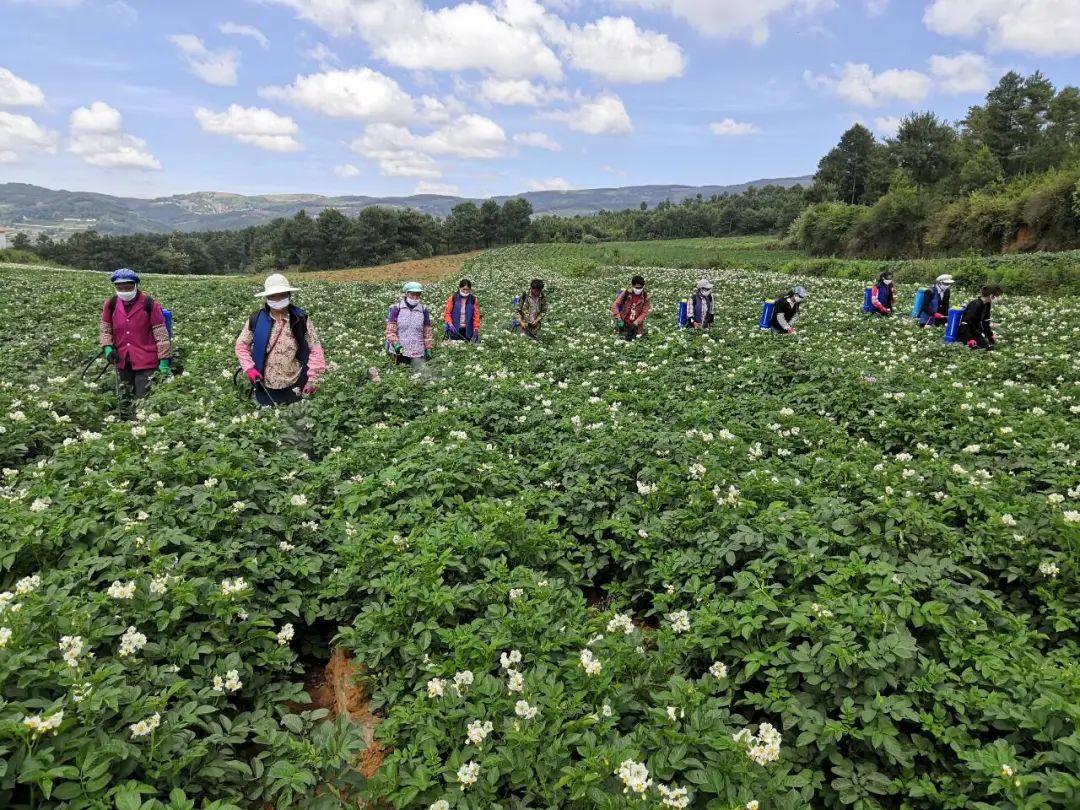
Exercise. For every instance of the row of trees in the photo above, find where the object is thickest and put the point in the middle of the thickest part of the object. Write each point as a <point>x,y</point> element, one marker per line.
<point>329,240</point>
<point>1003,178</point>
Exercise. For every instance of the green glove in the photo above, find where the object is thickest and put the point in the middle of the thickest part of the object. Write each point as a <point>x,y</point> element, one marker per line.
<point>163,366</point>
<point>109,352</point>
<point>398,348</point>
<point>427,354</point>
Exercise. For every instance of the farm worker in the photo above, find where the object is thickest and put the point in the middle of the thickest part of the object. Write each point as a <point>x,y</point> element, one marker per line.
<point>882,295</point>
<point>975,327</point>
<point>786,311</point>
<point>462,314</point>
<point>532,306</point>
<point>700,309</point>
<point>409,334</point>
<point>631,308</point>
<point>935,308</point>
<point>278,347</point>
<point>133,334</point>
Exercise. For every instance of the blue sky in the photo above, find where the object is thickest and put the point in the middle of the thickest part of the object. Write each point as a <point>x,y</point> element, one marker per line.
<point>486,97</point>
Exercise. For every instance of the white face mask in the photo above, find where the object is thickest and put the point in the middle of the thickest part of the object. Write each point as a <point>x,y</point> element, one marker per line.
<point>412,302</point>
<point>282,304</point>
<point>638,290</point>
<point>127,296</point>
<point>464,293</point>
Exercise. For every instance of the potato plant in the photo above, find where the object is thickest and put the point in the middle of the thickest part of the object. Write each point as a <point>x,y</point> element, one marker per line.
<point>719,570</point>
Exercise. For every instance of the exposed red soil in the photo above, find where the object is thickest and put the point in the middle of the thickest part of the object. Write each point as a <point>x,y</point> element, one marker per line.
<point>436,268</point>
<point>1021,241</point>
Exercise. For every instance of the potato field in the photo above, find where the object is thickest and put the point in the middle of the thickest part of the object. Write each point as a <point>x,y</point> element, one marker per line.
<point>722,571</point>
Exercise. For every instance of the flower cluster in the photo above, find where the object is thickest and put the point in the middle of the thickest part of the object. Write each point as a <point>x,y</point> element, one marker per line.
<point>230,683</point>
<point>680,621</point>
<point>524,710</point>
<point>121,590</point>
<point>71,647</point>
<point>285,635</point>
<point>468,774</point>
<point>145,727</point>
<point>621,622</point>
<point>39,724</point>
<point>590,663</point>
<point>634,776</point>
<point>763,747</point>
<point>231,587</point>
<point>131,642</point>
<point>477,731</point>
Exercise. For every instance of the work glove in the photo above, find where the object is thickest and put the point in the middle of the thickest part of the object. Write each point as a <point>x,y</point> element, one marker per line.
<point>398,348</point>
<point>427,354</point>
<point>109,352</point>
<point>254,375</point>
<point>971,344</point>
<point>163,366</point>
<point>308,390</point>
<point>791,330</point>
<point>938,316</point>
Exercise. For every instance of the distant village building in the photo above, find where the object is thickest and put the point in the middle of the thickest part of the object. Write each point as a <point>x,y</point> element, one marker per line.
<point>6,237</point>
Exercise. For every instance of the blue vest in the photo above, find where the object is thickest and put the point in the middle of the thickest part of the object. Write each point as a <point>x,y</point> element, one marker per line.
<point>262,324</point>
<point>700,307</point>
<point>455,314</point>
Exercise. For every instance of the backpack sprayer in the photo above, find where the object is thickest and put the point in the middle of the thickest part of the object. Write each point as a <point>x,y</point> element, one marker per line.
<point>920,299</point>
<point>868,300</point>
<point>684,313</point>
<point>767,311</point>
<point>952,326</point>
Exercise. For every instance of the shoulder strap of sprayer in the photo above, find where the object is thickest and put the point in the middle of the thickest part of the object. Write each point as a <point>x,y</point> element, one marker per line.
<point>148,304</point>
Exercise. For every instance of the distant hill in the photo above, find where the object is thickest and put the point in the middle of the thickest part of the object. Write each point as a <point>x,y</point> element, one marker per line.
<point>39,208</point>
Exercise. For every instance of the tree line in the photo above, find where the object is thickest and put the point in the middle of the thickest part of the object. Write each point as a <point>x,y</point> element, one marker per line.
<point>1005,178</point>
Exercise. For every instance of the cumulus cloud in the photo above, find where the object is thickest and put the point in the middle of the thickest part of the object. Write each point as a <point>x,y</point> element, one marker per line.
<point>858,84</point>
<point>347,170</point>
<point>603,115</point>
<point>97,136</point>
<point>444,189</point>
<point>520,92</point>
<point>729,126</point>
<point>1043,27</point>
<point>537,140</point>
<point>467,36</point>
<point>615,49</point>
<point>963,73</point>
<point>402,153</point>
<point>20,134</point>
<point>360,93</point>
<point>323,56</point>
<point>18,92</point>
<point>887,125</point>
<point>742,19</point>
<point>250,31</point>
<point>213,67</point>
<point>551,184</point>
<point>256,126</point>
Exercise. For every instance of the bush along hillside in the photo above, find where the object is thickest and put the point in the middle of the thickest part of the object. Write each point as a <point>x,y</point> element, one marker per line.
<point>1005,179</point>
<point>717,571</point>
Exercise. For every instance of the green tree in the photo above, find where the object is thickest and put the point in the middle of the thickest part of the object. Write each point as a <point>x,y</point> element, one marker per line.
<point>462,227</point>
<point>21,241</point>
<point>845,173</point>
<point>979,170</point>
<point>926,148</point>
<point>1013,120</point>
<point>490,222</point>
<point>331,247</point>
<point>514,220</point>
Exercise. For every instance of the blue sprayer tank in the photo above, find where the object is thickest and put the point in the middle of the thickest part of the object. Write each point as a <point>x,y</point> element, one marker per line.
<point>684,313</point>
<point>867,300</point>
<point>952,326</point>
<point>766,315</point>
<point>920,297</point>
<point>168,324</point>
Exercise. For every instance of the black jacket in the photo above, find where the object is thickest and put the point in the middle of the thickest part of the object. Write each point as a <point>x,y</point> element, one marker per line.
<point>786,307</point>
<point>975,323</point>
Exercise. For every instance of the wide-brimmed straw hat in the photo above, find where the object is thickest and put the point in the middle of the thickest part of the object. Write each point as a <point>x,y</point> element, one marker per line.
<point>275,284</point>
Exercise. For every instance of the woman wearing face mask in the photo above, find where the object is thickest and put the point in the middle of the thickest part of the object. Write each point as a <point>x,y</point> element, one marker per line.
<point>279,349</point>
<point>882,295</point>
<point>786,311</point>
<point>935,308</point>
<point>700,314</point>
<point>133,335</point>
<point>631,308</point>
<point>409,334</point>
<point>462,314</point>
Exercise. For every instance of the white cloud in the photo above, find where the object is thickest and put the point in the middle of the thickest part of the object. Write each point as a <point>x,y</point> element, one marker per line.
<point>537,140</point>
<point>18,92</point>
<point>551,184</point>
<point>520,92</point>
<point>963,73</point>
<point>59,3</point>
<point>346,170</point>
<point>603,115</point>
<point>213,67</point>
<point>876,7</point>
<point>256,126</point>
<point>360,93</point>
<point>325,57</point>
<point>467,36</point>
<point>1044,27</point>
<point>887,125</point>
<point>7,156</point>
<point>402,153</point>
<point>729,126</point>
<point>742,19</point>
<point>250,31</point>
<point>446,190</point>
<point>20,133</point>
<point>615,49</point>
<point>858,84</point>
<point>97,136</point>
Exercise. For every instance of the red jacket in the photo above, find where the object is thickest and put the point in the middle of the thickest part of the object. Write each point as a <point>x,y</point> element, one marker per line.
<point>140,338</point>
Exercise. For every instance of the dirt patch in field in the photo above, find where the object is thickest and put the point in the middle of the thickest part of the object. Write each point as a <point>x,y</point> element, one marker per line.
<point>335,688</point>
<point>437,268</point>
<point>1022,241</point>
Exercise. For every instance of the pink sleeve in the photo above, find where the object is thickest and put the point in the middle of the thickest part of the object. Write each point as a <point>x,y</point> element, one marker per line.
<point>105,332</point>
<point>243,349</point>
<point>316,355</point>
<point>160,332</point>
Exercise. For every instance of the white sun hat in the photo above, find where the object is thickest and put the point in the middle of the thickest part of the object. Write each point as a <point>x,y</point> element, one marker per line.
<point>275,284</point>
